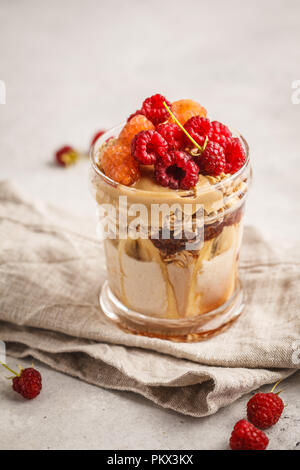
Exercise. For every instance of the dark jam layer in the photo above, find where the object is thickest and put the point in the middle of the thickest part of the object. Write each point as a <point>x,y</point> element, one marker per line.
<point>173,245</point>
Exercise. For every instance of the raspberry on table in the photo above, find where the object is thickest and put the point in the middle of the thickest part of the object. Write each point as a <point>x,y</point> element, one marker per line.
<point>28,383</point>
<point>264,409</point>
<point>172,133</point>
<point>185,109</point>
<point>176,170</point>
<point>119,165</point>
<point>245,436</point>
<point>154,109</point>
<point>147,146</point>
<point>235,155</point>
<point>199,128</point>
<point>212,161</point>
<point>66,156</point>
<point>136,124</point>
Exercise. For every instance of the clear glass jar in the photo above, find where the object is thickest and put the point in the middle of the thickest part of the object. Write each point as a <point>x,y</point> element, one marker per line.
<point>172,288</point>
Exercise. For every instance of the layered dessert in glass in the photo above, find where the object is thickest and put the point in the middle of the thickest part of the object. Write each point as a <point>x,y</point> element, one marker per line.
<point>170,185</point>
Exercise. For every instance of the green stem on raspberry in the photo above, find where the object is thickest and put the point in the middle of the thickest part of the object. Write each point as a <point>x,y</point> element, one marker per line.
<point>10,370</point>
<point>277,383</point>
<point>182,128</point>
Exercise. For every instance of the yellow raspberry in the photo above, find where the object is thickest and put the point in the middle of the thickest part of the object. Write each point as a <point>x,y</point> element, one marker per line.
<point>119,165</point>
<point>136,124</point>
<point>185,109</point>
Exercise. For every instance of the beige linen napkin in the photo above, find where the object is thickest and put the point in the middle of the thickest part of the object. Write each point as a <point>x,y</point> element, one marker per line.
<point>51,271</point>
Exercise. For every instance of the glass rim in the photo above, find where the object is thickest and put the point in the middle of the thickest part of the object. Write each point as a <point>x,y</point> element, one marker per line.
<point>219,184</point>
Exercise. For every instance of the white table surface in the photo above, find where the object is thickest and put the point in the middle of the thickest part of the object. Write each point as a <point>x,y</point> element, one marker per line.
<point>72,67</point>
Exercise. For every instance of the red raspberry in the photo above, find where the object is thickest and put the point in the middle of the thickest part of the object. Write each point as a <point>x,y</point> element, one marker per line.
<point>66,156</point>
<point>139,111</point>
<point>176,170</point>
<point>154,109</point>
<point>147,146</point>
<point>201,127</point>
<point>172,134</point>
<point>264,409</point>
<point>212,161</point>
<point>235,155</point>
<point>28,383</point>
<point>245,436</point>
<point>219,133</point>
<point>96,137</point>
<point>198,127</point>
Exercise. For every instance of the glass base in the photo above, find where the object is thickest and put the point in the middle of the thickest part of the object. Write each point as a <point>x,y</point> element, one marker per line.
<point>192,329</point>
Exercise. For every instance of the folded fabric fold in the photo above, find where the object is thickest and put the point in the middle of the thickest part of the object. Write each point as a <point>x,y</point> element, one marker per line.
<point>51,271</point>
